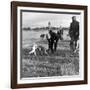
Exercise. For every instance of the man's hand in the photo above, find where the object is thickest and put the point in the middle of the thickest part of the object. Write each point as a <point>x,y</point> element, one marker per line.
<point>76,33</point>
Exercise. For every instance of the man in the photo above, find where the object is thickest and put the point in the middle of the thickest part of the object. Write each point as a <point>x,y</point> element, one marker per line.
<point>74,33</point>
<point>52,41</point>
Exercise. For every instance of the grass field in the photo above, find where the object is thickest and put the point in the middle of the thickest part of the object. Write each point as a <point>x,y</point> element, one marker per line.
<point>60,63</point>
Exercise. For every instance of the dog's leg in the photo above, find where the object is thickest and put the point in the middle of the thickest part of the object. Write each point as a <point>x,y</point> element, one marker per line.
<point>30,52</point>
<point>35,53</point>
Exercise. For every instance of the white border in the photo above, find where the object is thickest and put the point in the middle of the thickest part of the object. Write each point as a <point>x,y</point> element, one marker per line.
<point>51,79</point>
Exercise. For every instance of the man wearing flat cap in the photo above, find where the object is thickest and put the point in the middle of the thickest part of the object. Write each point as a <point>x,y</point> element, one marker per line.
<point>74,33</point>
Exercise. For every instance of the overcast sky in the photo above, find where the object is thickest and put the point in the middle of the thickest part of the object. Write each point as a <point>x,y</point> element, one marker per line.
<point>33,19</point>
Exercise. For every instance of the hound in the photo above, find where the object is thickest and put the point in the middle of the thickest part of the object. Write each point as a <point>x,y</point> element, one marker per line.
<point>40,48</point>
<point>33,49</point>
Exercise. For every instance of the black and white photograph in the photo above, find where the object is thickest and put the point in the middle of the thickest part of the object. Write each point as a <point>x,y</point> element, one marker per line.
<point>50,41</point>
<point>50,44</point>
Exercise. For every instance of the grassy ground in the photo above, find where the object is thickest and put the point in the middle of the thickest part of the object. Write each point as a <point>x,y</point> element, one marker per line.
<point>60,63</point>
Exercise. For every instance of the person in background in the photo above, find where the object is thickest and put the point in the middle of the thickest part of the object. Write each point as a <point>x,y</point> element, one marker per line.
<point>60,33</point>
